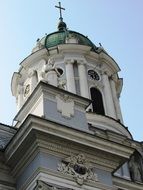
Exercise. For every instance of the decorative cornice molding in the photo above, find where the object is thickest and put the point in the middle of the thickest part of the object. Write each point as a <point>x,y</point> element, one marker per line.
<point>63,142</point>
<point>107,123</point>
<point>126,184</point>
<point>74,48</point>
<point>61,180</point>
<point>48,91</point>
<point>41,185</point>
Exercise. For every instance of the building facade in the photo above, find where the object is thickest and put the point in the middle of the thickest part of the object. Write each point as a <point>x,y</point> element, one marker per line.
<point>69,131</point>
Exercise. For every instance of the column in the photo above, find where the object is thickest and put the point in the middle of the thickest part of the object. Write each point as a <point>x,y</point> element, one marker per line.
<point>116,100</point>
<point>108,97</point>
<point>70,77</point>
<point>19,96</point>
<point>84,91</point>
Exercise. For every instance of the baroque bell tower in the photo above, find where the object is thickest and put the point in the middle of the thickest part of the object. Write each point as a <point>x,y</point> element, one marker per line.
<point>69,61</point>
<point>70,131</point>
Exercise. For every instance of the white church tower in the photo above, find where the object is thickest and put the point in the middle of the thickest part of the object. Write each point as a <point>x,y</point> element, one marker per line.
<point>69,131</point>
<point>69,61</point>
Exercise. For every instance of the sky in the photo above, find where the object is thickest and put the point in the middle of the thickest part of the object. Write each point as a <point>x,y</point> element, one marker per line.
<point>116,24</point>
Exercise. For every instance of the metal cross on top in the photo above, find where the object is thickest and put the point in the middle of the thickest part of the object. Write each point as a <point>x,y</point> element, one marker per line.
<point>60,8</point>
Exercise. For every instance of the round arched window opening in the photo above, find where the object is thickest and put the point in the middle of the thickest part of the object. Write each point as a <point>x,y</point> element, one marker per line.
<point>97,101</point>
<point>60,71</point>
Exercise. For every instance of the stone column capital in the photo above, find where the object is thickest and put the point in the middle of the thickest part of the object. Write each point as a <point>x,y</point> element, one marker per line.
<point>113,78</point>
<point>104,73</point>
<point>81,62</point>
<point>31,72</point>
<point>69,61</point>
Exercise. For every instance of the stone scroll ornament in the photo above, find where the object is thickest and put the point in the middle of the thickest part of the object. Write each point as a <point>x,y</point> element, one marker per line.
<point>78,167</point>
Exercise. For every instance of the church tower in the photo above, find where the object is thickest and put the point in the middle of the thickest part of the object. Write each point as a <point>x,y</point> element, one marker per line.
<point>69,131</point>
<point>69,61</point>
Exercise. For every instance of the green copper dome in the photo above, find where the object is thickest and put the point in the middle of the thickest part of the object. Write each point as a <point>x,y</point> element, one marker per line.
<point>60,37</point>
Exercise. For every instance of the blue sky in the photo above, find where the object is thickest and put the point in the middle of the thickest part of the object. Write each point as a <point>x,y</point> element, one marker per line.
<point>118,25</point>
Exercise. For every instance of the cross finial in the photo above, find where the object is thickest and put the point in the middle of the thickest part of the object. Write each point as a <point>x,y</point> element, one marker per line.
<point>60,8</point>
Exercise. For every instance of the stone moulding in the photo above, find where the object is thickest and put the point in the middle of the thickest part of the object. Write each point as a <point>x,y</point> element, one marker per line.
<point>41,185</point>
<point>79,168</point>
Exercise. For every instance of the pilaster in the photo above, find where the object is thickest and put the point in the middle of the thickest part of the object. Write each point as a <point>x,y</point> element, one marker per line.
<point>33,79</point>
<point>19,96</point>
<point>116,100</point>
<point>70,76</point>
<point>83,79</point>
<point>108,96</point>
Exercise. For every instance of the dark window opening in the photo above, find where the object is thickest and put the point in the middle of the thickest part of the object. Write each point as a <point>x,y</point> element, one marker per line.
<point>97,102</point>
<point>60,71</point>
<point>76,77</point>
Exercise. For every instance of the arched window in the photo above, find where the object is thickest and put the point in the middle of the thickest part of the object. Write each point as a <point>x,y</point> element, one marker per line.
<point>97,102</point>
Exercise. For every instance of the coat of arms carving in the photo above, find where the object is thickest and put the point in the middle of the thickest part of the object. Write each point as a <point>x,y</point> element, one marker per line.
<point>78,167</point>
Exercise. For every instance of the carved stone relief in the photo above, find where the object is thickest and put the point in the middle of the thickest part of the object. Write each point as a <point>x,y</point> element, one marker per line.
<point>27,90</point>
<point>79,168</point>
<point>50,73</point>
<point>62,84</point>
<point>65,105</point>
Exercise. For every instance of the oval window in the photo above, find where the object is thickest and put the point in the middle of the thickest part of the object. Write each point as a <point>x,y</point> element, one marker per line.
<point>60,71</point>
<point>93,75</point>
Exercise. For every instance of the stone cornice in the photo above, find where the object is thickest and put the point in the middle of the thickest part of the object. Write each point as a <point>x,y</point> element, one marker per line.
<point>7,187</point>
<point>65,48</point>
<point>109,61</point>
<point>63,139</point>
<point>107,123</point>
<point>38,55</point>
<point>44,88</point>
<point>126,184</point>
<point>65,181</point>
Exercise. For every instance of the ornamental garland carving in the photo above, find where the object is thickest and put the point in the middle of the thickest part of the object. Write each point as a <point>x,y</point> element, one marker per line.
<point>79,168</point>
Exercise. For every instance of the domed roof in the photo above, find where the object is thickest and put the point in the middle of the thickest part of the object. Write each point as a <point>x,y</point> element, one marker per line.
<point>61,36</point>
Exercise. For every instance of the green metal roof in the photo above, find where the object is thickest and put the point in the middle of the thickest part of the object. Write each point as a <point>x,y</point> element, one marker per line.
<point>60,36</point>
